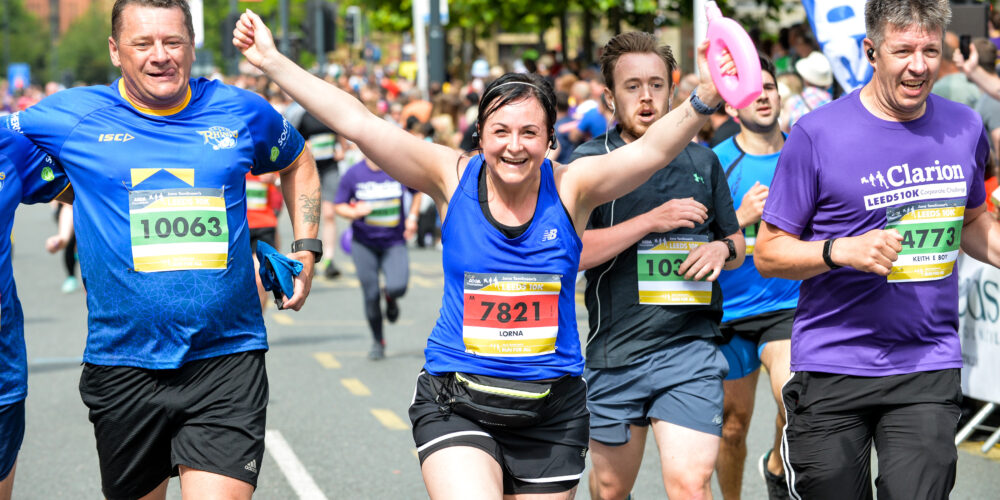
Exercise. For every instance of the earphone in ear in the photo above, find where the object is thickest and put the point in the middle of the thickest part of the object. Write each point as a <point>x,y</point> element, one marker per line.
<point>871,54</point>
<point>611,104</point>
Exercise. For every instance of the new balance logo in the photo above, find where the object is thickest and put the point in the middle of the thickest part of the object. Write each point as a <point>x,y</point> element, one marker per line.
<point>252,466</point>
<point>550,234</point>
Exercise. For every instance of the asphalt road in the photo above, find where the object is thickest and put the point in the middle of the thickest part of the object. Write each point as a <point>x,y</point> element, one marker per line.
<point>337,422</point>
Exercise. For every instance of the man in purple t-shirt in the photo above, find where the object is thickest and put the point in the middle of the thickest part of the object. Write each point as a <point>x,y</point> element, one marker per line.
<point>873,196</point>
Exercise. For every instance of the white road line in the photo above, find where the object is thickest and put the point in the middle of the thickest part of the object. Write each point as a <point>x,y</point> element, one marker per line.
<point>296,474</point>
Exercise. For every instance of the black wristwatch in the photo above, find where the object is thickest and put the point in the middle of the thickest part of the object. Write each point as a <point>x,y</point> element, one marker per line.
<point>732,249</point>
<point>309,244</point>
<point>827,250</point>
<point>701,107</point>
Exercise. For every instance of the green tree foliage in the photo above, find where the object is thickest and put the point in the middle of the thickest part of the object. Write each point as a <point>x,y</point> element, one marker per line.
<point>83,49</point>
<point>528,16</point>
<point>28,38</point>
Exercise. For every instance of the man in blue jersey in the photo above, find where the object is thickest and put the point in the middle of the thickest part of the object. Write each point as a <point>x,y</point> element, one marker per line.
<point>758,312</point>
<point>26,176</point>
<point>174,368</point>
<point>652,257</point>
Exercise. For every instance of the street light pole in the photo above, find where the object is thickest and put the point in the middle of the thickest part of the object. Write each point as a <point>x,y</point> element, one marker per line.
<point>6,34</point>
<point>283,14</point>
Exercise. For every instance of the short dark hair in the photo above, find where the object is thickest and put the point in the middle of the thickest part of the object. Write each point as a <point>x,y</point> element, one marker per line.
<point>119,7</point>
<point>513,87</point>
<point>767,65</point>
<point>634,42</point>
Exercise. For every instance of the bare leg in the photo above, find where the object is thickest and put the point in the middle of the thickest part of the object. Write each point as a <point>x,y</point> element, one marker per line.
<point>201,485</point>
<point>462,472</point>
<point>687,458</point>
<point>614,468</point>
<point>777,356</point>
<point>737,410</point>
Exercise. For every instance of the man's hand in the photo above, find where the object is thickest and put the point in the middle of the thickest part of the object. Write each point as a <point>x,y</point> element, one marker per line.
<point>872,252</point>
<point>705,262</point>
<point>967,66</point>
<point>752,205</point>
<point>303,282</point>
<point>252,37</point>
<point>676,213</point>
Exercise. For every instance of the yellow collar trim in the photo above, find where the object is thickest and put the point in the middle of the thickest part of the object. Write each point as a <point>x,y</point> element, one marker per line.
<point>156,112</point>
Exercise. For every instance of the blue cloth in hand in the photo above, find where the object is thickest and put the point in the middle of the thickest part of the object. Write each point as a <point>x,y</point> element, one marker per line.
<point>277,271</point>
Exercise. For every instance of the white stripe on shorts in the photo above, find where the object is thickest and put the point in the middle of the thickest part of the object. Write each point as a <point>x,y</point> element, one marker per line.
<point>452,436</point>
<point>555,479</point>
<point>787,462</point>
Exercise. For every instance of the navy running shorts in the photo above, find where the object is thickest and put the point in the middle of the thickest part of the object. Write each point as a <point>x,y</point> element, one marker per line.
<point>680,384</point>
<point>208,415</point>
<point>11,435</point>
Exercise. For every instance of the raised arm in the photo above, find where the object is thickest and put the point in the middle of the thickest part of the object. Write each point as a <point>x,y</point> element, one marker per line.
<point>593,180</point>
<point>986,81</point>
<point>425,166</point>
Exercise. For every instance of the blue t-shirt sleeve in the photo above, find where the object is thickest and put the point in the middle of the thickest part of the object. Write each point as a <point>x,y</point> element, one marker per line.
<point>42,179</point>
<point>276,143</point>
<point>48,123</point>
<point>791,200</point>
<point>593,123</point>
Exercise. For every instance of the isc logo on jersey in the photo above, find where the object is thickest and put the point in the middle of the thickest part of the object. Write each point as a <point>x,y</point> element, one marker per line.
<point>114,137</point>
<point>220,137</point>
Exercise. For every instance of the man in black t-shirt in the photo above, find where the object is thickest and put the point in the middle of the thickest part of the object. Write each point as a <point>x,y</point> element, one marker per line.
<point>652,258</point>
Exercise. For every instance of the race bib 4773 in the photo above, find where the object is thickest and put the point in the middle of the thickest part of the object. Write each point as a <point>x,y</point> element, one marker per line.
<point>511,314</point>
<point>932,232</point>
<point>178,229</point>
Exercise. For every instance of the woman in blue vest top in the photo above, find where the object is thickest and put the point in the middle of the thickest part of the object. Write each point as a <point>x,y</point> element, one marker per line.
<point>500,406</point>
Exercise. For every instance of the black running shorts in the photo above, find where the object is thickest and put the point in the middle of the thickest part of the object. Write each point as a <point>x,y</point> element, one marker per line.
<point>208,415</point>
<point>548,457</point>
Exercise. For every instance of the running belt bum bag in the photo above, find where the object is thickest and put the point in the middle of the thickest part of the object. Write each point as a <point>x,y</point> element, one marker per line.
<point>495,401</point>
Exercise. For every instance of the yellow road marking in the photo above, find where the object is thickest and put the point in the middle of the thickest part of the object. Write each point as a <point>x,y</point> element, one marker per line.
<point>389,419</point>
<point>282,318</point>
<point>420,281</point>
<point>415,453</point>
<point>327,360</point>
<point>973,448</point>
<point>355,386</point>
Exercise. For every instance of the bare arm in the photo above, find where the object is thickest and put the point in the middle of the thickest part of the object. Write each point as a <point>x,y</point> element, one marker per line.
<point>425,166</point>
<point>601,245</point>
<point>410,225</point>
<point>752,205</point>
<point>780,254</point>
<point>707,261</point>
<point>300,187</point>
<point>981,236</point>
<point>353,211</point>
<point>986,81</point>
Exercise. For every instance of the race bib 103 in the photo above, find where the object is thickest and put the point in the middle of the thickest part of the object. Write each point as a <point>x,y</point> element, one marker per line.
<point>659,278</point>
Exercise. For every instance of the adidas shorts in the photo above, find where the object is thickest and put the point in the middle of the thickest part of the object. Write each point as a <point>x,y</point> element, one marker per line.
<point>208,415</point>
<point>548,457</point>
<point>11,435</point>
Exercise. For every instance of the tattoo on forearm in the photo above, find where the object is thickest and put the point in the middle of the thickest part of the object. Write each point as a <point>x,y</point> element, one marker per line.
<point>310,207</point>
<point>687,114</point>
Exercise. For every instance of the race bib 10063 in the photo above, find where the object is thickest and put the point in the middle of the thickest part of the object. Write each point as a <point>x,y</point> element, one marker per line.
<point>178,229</point>
<point>511,314</point>
<point>659,260</point>
<point>932,231</point>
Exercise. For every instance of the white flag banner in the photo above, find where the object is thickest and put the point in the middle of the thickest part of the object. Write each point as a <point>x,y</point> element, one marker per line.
<point>839,26</point>
<point>979,328</point>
